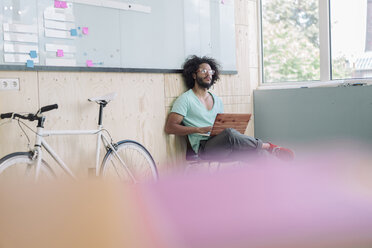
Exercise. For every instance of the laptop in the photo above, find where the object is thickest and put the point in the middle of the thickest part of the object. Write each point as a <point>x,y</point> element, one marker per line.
<point>226,120</point>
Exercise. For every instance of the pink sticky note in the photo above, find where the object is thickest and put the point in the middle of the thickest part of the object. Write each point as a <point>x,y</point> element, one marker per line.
<point>60,53</point>
<point>223,1</point>
<point>63,4</point>
<point>60,4</point>
<point>85,30</point>
<point>57,4</point>
<point>89,63</point>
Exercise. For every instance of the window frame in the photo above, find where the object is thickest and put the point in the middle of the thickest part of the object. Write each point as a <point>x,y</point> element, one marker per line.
<point>325,56</point>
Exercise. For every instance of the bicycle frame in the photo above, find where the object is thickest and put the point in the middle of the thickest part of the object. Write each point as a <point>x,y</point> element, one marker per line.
<point>41,142</point>
<point>41,133</point>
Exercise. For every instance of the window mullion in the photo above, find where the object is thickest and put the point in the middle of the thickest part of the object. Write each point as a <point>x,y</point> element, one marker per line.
<point>324,41</point>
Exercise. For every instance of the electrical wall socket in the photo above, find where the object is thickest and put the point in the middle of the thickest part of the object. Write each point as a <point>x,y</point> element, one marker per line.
<point>9,83</point>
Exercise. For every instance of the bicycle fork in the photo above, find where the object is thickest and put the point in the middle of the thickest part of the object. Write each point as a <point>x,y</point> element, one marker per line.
<point>38,152</point>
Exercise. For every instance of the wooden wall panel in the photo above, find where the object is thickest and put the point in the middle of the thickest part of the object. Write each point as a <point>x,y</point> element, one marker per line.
<point>137,113</point>
<point>25,100</point>
<point>174,85</point>
<point>242,12</point>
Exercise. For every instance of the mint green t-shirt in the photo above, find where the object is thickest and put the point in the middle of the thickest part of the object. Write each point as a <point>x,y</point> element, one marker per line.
<point>195,114</point>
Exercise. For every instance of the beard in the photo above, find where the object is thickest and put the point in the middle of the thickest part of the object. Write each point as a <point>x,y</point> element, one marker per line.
<point>200,82</point>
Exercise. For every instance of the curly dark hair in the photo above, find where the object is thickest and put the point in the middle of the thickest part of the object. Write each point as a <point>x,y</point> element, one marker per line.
<point>192,64</point>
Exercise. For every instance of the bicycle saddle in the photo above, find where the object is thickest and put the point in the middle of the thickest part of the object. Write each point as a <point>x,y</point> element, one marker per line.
<point>106,98</point>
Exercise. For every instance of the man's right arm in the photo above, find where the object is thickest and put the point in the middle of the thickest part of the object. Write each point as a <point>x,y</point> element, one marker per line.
<point>174,126</point>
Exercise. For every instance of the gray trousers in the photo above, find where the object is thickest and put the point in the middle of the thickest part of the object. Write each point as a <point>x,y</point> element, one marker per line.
<point>230,145</point>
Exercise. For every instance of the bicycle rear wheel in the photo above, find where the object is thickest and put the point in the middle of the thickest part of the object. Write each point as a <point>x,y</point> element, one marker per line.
<point>130,162</point>
<point>20,166</point>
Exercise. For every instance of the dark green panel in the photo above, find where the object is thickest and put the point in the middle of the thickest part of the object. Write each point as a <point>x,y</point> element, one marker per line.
<point>314,114</point>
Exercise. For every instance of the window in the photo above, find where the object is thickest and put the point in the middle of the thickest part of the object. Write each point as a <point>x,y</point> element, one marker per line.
<point>351,51</point>
<point>316,40</point>
<point>290,35</point>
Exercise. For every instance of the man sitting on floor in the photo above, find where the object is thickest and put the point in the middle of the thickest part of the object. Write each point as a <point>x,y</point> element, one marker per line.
<point>194,112</point>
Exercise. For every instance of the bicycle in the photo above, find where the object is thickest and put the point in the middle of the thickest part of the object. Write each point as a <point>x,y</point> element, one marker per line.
<point>124,160</point>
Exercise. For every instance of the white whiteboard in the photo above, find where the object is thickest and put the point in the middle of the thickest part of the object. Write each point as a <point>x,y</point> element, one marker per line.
<point>130,34</point>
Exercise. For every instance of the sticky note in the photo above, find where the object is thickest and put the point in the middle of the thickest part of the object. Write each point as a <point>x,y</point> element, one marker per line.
<point>60,4</point>
<point>63,4</point>
<point>30,63</point>
<point>60,53</point>
<point>223,1</point>
<point>89,63</point>
<point>85,30</point>
<point>33,54</point>
<point>73,32</point>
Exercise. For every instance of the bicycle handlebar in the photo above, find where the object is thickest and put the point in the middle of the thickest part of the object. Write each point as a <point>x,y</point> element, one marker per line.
<point>30,117</point>
<point>48,108</point>
<point>7,115</point>
<point>15,115</point>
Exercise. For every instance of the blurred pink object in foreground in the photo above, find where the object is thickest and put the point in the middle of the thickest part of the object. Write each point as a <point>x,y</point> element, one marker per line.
<point>325,202</point>
<point>314,203</point>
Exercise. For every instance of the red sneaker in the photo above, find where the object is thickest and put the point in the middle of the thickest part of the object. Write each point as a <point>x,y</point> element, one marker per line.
<point>281,152</point>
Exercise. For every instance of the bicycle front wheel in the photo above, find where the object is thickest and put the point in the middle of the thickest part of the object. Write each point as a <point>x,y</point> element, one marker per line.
<point>21,167</point>
<point>130,162</point>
